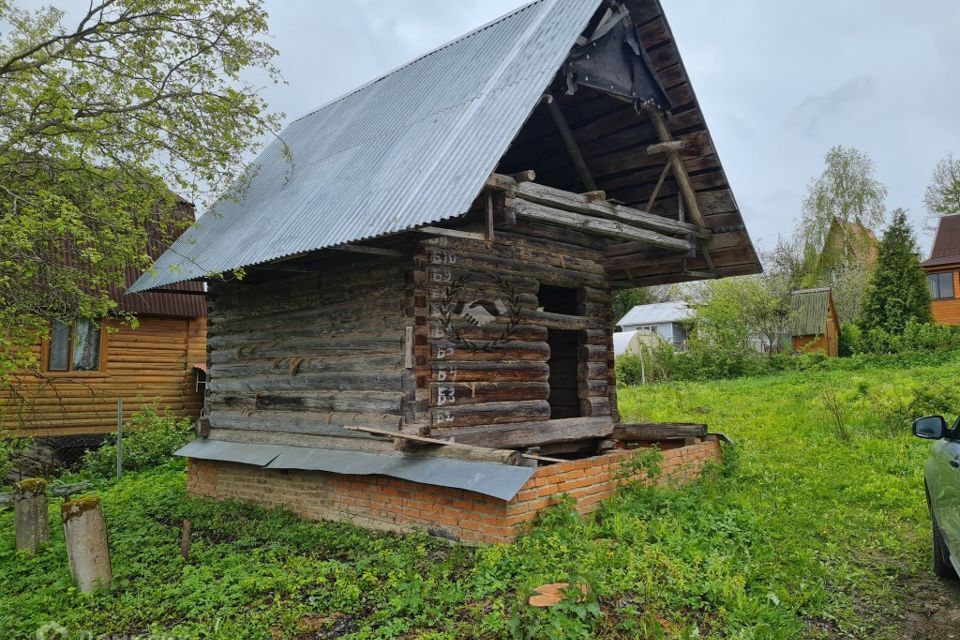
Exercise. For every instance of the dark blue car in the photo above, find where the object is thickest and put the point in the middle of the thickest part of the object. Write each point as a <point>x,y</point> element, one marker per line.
<point>942,480</point>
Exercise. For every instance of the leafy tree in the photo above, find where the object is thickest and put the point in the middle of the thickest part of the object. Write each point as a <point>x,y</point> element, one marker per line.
<point>99,121</point>
<point>898,292</point>
<point>942,197</point>
<point>847,190</point>
<point>734,314</point>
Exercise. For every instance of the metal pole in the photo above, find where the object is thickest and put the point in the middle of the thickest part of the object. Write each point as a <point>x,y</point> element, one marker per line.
<point>119,438</point>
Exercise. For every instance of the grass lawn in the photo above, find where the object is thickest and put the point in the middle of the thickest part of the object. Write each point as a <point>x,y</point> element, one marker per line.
<point>815,528</point>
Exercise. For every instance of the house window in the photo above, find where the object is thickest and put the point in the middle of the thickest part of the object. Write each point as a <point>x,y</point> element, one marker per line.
<point>941,285</point>
<point>74,347</point>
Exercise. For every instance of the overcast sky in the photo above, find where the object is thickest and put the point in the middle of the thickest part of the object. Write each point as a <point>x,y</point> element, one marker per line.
<point>779,83</point>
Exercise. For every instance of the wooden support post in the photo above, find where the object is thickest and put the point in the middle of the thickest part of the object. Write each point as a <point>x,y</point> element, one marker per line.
<point>659,185</point>
<point>570,143</point>
<point>679,171</point>
<point>30,514</point>
<point>87,550</point>
<point>185,540</point>
<point>489,217</point>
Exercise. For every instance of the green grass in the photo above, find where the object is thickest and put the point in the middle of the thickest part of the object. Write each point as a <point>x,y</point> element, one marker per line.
<point>802,533</point>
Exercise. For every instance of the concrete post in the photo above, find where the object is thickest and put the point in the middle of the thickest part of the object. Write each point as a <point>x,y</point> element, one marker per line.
<point>87,550</point>
<point>30,514</point>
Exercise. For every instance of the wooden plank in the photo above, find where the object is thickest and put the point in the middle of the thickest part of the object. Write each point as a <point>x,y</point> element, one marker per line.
<point>531,434</point>
<point>453,233</point>
<point>459,450</point>
<point>608,228</point>
<point>655,431</point>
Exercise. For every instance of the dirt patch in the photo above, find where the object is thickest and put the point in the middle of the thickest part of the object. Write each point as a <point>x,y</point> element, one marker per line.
<point>931,608</point>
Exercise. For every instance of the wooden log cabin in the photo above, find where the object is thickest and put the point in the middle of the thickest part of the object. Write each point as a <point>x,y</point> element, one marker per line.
<point>943,271</point>
<point>429,262</point>
<point>69,398</point>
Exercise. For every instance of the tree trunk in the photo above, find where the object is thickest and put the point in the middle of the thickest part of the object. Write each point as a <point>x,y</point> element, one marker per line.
<point>87,549</point>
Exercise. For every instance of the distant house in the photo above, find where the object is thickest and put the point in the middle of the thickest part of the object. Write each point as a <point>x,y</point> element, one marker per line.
<point>814,323</point>
<point>666,320</point>
<point>942,271</point>
<point>86,365</point>
<point>845,241</point>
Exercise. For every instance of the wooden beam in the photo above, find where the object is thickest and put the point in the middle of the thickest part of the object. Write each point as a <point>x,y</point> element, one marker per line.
<point>581,203</point>
<point>655,431</point>
<point>521,435</point>
<point>674,146</point>
<point>570,143</point>
<point>458,450</point>
<point>373,251</point>
<point>659,185</point>
<point>597,226</point>
<point>453,233</point>
<point>679,171</point>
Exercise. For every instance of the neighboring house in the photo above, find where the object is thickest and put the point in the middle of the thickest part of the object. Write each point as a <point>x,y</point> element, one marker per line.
<point>942,268</point>
<point>668,320</point>
<point>85,367</point>
<point>814,323</point>
<point>438,261</point>
<point>847,241</point>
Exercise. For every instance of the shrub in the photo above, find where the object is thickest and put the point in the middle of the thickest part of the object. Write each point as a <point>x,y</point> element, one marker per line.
<point>10,450</point>
<point>149,440</point>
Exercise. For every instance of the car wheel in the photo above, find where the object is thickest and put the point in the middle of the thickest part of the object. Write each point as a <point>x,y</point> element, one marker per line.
<point>941,556</point>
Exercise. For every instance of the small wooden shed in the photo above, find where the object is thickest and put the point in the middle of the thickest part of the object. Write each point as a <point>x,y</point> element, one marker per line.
<point>814,322</point>
<point>432,259</point>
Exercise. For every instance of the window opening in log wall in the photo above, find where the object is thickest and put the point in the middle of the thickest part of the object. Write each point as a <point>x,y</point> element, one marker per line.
<point>564,396</point>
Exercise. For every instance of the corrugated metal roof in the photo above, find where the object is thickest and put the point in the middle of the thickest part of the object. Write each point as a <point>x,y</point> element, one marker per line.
<point>809,309</point>
<point>497,480</point>
<point>407,150</point>
<point>656,313</point>
<point>946,244</point>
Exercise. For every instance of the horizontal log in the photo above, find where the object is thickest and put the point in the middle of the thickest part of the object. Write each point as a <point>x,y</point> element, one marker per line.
<point>490,371</point>
<point>462,393</point>
<point>321,424</point>
<point>655,431</point>
<point>530,434</point>
<point>580,203</point>
<point>595,406</point>
<point>608,228</point>
<point>489,413</point>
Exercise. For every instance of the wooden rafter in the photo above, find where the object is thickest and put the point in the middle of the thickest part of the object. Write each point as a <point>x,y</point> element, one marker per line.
<point>679,171</point>
<point>566,134</point>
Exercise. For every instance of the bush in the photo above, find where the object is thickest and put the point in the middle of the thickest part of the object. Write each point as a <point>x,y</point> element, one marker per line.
<point>916,337</point>
<point>149,440</point>
<point>10,450</point>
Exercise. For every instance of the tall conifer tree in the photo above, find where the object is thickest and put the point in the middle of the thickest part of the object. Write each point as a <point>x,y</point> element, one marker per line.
<point>898,292</point>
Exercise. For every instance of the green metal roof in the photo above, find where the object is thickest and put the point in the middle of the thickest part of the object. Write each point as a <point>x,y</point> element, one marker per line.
<point>809,309</point>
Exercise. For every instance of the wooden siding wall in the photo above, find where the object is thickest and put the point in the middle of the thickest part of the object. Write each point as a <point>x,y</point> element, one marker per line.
<point>947,311</point>
<point>462,390</point>
<point>152,364</point>
<point>294,357</point>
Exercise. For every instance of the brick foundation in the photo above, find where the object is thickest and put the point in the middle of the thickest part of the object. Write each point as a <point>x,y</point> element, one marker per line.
<point>380,502</point>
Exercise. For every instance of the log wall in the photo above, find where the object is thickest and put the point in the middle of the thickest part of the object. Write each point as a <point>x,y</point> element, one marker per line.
<point>551,287</point>
<point>152,364</point>
<point>295,356</point>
